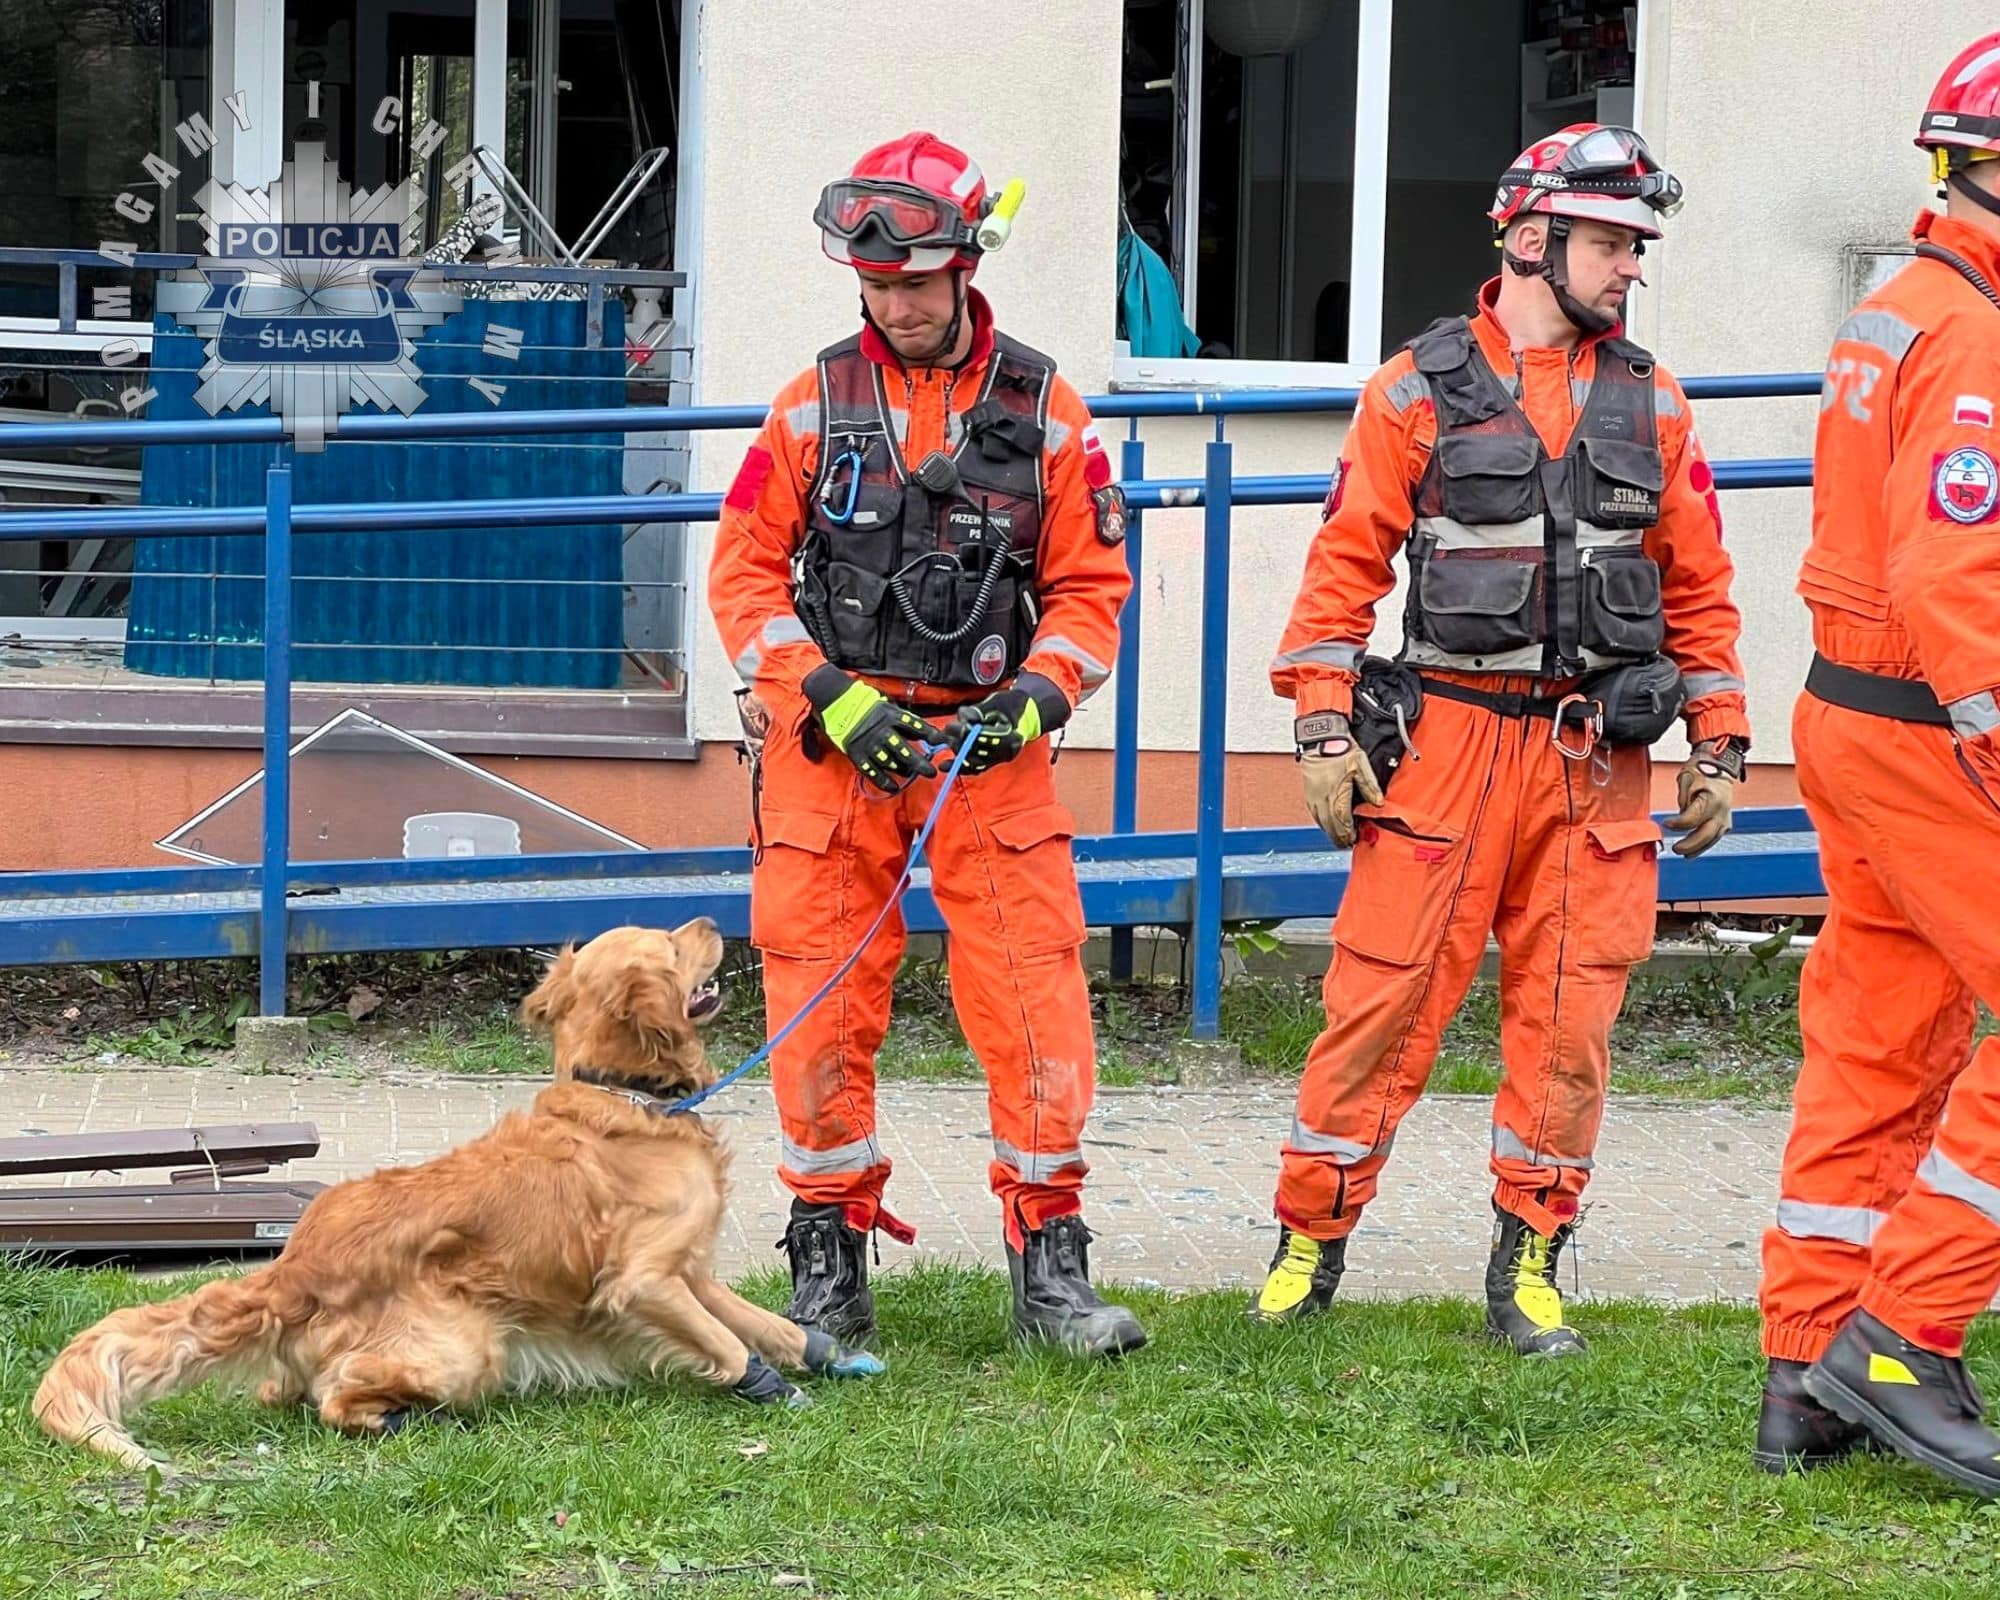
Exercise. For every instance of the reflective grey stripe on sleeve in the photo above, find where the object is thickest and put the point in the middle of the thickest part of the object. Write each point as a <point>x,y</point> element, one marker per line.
<point>779,630</point>
<point>856,1156</point>
<point>1406,391</point>
<point>1698,684</point>
<point>803,418</point>
<point>1057,434</point>
<point>1324,653</point>
<point>1666,400</point>
<point>1885,330</point>
<point>1849,1224</point>
<point>1507,1144</point>
<point>1094,671</point>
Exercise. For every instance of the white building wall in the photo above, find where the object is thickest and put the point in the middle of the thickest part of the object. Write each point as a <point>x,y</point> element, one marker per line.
<point>1789,121</point>
<point>794,91</point>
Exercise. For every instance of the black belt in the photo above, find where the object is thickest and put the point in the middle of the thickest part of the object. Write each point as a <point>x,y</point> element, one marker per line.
<point>1898,699</point>
<point>1554,707</point>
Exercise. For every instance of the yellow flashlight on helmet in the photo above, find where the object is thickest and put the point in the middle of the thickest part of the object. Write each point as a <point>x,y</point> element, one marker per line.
<point>998,223</point>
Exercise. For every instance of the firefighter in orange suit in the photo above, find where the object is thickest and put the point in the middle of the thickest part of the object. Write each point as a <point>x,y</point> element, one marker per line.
<point>922,546</point>
<point>1569,598</point>
<point>1887,1239</point>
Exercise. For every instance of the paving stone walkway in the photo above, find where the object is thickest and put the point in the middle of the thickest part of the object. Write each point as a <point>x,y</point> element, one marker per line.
<point>1180,1186</point>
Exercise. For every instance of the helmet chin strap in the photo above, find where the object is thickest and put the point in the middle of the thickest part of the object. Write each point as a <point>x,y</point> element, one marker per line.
<point>949,343</point>
<point>1553,269</point>
<point>1959,181</point>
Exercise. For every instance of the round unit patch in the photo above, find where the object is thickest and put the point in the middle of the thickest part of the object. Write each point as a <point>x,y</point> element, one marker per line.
<point>989,659</point>
<point>1966,485</point>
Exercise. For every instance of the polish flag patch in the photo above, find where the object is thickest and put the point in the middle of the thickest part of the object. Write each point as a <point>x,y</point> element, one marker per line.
<point>1336,490</point>
<point>1701,479</point>
<point>749,480</point>
<point>1096,464</point>
<point>1973,411</point>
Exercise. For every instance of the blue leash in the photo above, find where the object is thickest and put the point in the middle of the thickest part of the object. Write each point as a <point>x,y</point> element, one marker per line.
<point>895,898</point>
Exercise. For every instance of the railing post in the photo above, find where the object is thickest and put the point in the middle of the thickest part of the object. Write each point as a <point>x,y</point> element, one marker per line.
<point>1125,735</point>
<point>1207,1018</point>
<point>277,739</point>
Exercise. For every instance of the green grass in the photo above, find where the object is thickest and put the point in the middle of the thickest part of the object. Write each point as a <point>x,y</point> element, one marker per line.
<point>490,1041</point>
<point>1384,1450</point>
<point>1722,1032</point>
<point>1725,1029</point>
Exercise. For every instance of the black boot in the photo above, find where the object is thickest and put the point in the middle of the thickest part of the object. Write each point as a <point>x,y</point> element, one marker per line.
<point>1524,1309</point>
<point>1303,1278</point>
<point>1795,1433</point>
<point>1053,1299</point>
<point>1920,1403</point>
<point>829,1274</point>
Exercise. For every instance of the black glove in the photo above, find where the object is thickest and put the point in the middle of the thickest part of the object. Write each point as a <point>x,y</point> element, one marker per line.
<point>885,741</point>
<point>1007,721</point>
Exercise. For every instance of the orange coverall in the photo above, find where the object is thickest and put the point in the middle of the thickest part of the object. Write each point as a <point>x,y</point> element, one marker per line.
<point>1492,830</point>
<point>831,847</point>
<point>1890,1194</point>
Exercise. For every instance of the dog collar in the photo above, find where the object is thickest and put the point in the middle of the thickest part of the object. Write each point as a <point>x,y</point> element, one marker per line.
<point>651,1104</point>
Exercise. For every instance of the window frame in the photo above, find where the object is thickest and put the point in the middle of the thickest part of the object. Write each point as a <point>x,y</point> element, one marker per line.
<point>1374,44</point>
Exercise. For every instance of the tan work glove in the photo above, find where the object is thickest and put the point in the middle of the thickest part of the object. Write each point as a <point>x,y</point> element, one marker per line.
<point>1707,793</point>
<point>1336,772</point>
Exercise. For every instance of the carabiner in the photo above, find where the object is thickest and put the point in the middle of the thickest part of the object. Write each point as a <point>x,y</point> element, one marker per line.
<point>856,462</point>
<point>1591,723</point>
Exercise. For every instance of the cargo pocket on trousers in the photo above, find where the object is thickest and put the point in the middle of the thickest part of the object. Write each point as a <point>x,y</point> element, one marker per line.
<point>795,887</point>
<point>1616,892</point>
<point>1400,888</point>
<point>1036,879</point>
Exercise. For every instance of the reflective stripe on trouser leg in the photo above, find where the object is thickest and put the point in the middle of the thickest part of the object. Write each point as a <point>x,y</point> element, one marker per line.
<point>829,862</point>
<point>823,1077</point>
<point>1935,1264</point>
<point>1578,913</point>
<point>1874,1078</point>
<point>1408,939</point>
<point>1036,1166</point>
<point>1004,881</point>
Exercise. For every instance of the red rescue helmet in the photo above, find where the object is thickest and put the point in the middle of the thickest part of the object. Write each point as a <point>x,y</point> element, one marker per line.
<point>1591,172</point>
<point>1962,121</point>
<point>912,205</point>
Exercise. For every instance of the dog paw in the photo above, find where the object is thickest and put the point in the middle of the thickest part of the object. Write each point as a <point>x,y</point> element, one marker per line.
<point>828,1357</point>
<point>764,1385</point>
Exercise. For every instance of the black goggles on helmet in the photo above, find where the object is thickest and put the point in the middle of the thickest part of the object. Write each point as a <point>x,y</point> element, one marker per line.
<point>1603,162</point>
<point>901,213</point>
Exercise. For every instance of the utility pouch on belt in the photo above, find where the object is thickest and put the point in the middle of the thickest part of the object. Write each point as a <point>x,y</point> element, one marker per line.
<point>1640,700</point>
<point>1388,700</point>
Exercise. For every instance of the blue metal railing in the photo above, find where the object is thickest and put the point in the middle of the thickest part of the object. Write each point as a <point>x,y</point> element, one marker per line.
<point>1218,491</point>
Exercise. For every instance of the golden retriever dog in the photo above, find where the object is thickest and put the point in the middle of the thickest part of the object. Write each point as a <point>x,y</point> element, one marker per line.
<point>571,1245</point>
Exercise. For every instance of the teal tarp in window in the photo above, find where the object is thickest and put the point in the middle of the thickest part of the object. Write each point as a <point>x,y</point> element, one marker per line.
<point>386,606</point>
<point>1149,301</point>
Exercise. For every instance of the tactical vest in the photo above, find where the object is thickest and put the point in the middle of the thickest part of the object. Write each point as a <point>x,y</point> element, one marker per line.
<point>1520,562</point>
<point>913,570</point>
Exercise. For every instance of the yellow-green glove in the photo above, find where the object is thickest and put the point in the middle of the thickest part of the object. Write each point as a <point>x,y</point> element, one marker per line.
<point>1007,721</point>
<point>885,741</point>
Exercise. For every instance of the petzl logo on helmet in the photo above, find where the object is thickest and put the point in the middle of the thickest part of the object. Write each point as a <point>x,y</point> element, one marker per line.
<point>989,659</point>
<point>1965,486</point>
<point>305,299</point>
